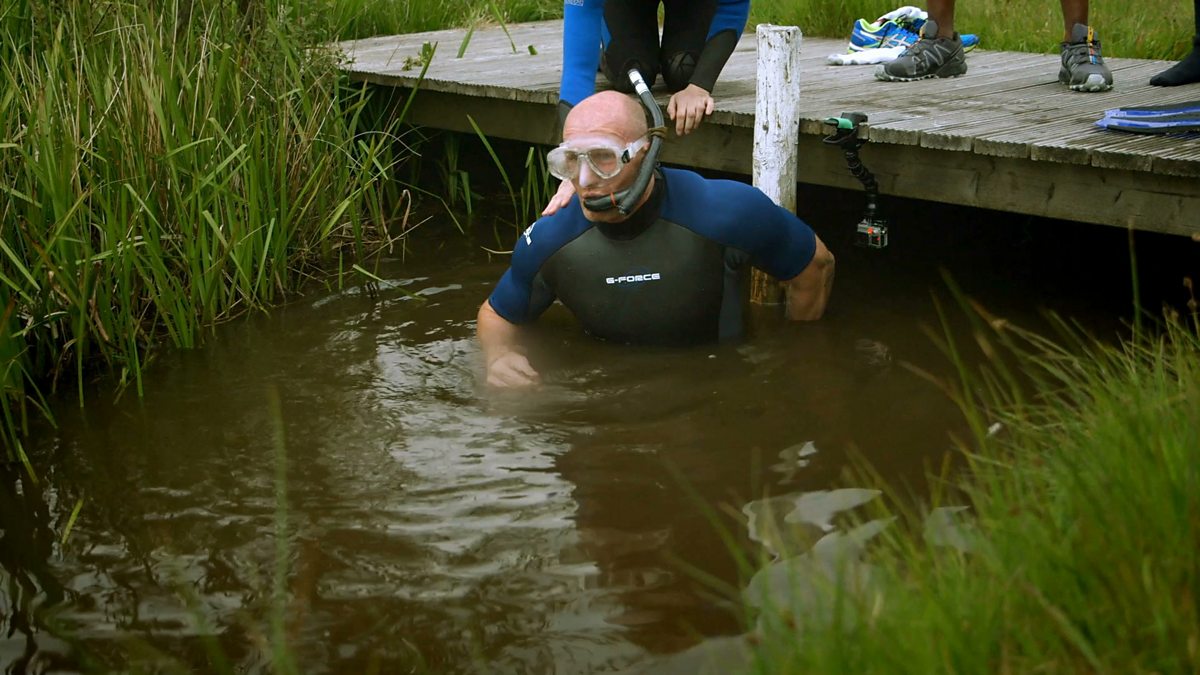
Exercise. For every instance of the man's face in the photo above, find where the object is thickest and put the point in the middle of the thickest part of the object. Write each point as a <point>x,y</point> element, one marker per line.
<point>589,184</point>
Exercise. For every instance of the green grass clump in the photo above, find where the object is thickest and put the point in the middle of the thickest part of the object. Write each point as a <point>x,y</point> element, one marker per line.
<point>364,18</point>
<point>1155,29</point>
<point>164,166</point>
<point>1083,547</point>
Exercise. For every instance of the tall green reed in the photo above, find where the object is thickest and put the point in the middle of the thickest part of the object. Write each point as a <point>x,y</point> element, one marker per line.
<point>165,166</point>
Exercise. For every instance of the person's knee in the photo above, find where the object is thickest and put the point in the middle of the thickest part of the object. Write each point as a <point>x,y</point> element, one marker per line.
<point>618,74</point>
<point>678,69</point>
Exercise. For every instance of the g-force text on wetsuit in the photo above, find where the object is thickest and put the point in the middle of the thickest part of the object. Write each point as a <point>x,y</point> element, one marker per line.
<point>633,278</point>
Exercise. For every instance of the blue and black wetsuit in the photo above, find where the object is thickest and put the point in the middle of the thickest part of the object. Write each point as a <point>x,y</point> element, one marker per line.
<point>674,273</point>
<point>698,37</point>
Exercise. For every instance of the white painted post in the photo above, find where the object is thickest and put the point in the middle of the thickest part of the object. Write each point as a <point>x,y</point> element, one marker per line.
<point>776,131</point>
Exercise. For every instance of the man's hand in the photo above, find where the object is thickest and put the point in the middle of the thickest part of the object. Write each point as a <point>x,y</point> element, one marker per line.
<point>512,369</point>
<point>566,190</point>
<point>808,292</point>
<point>688,107</point>
<point>507,365</point>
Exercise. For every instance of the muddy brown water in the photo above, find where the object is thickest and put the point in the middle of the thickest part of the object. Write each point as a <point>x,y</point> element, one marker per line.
<point>432,525</point>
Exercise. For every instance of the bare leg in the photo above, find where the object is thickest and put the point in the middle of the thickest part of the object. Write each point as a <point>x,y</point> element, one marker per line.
<point>1074,11</point>
<point>942,12</point>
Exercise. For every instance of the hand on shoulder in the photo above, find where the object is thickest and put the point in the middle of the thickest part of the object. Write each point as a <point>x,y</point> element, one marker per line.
<point>566,190</point>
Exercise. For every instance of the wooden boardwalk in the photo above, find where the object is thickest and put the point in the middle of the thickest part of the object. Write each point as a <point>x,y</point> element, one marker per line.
<point>1005,136</point>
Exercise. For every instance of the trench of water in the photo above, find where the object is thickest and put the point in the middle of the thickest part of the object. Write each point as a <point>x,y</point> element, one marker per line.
<point>434,525</point>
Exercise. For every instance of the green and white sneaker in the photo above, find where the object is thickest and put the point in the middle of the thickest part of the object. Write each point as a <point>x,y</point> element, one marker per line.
<point>1083,67</point>
<point>931,56</point>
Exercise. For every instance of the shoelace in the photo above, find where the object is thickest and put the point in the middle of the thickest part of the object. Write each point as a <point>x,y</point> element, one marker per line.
<point>901,36</point>
<point>1092,44</point>
<point>1077,55</point>
<point>919,47</point>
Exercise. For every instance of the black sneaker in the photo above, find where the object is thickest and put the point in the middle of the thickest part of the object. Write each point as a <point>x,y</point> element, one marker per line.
<point>1083,68</point>
<point>931,56</point>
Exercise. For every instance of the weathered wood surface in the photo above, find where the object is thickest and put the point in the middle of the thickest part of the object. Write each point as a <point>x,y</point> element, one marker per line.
<point>1006,135</point>
<point>776,140</point>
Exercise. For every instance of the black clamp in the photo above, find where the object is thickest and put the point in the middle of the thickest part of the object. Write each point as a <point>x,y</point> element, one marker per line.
<point>845,130</point>
<point>872,231</point>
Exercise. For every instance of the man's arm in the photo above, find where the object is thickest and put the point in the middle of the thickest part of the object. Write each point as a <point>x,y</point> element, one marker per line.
<point>808,292</point>
<point>506,363</point>
<point>723,34</point>
<point>690,105</point>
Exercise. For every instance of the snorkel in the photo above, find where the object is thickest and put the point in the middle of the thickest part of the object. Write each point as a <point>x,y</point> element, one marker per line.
<point>626,200</point>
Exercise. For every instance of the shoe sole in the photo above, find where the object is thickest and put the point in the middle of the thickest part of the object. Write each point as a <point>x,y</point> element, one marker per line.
<point>1095,82</point>
<point>885,76</point>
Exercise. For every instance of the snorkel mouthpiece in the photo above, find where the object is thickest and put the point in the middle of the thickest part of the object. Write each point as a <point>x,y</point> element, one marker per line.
<point>626,200</point>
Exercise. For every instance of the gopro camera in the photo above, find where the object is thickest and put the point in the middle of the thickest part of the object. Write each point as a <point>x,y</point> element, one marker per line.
<point>871,234</point>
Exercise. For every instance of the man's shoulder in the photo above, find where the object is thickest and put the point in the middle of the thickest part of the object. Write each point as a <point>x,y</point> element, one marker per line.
<point>729,212</point>
<point>693,196</point>
<point>549,233</point>
<point>690,180</point>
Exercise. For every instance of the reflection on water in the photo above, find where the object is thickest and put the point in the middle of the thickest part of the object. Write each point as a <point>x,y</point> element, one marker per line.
<point>436,526</point>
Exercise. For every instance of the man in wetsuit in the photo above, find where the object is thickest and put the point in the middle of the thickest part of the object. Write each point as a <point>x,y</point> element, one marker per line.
<point>671,272</point>
<point>616,35</point>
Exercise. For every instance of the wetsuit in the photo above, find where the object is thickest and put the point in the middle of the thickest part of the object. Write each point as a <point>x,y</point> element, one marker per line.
<point>698,37</point>
<point>673,273</point>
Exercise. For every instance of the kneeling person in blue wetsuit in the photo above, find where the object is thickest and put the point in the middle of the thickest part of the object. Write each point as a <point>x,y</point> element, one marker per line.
<point>697,39</point>
<point>671,272</point>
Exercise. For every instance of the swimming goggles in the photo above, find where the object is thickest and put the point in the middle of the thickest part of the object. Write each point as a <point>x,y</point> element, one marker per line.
<point>604,159</point>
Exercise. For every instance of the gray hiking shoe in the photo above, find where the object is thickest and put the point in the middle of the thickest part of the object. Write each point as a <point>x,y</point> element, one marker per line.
<point>1083,68</point>
<point>931,56</point>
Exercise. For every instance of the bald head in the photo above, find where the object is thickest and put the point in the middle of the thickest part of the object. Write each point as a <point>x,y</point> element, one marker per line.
<point>607,113</point>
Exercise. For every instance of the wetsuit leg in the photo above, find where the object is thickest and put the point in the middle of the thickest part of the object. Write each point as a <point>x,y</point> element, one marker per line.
<point>685,31</point>
<point>1187,70</point>
<point>633,26</point>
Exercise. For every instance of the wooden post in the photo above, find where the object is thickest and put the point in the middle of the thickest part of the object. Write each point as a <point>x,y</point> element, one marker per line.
<point>776,132</point>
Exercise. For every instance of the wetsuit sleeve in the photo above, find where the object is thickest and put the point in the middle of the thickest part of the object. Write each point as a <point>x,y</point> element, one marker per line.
<point>521,295</point>
<point>582,25</point>
<point>723,35</point>
<point>741,216</point>
<point>523,292</point>
<point>787,244</point>
<point>779,243</point>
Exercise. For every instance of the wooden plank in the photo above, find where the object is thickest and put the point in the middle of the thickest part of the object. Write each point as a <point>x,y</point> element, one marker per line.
<point>1084,193</point>
<point>1005,136</point>
<point>1125,152</point>
<point>941,104</point>
<point>1049,104</point>
<point>500,118</point>
<point>1183,160</point>
<point>1067,133</point>
<point>1077,145</point>
<point>1087,194</point>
